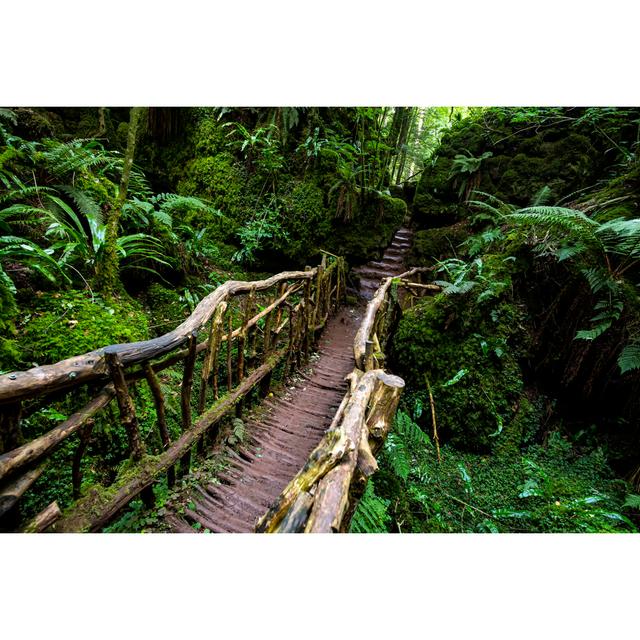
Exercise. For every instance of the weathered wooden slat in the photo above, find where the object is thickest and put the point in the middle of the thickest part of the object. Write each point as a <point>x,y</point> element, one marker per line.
<point>92,366</point>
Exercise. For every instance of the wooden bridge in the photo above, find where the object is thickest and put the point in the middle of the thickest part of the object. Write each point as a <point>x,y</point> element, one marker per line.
<point>310,448</point>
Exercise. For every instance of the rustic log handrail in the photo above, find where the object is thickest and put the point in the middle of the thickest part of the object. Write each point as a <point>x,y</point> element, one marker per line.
<point>323,496</point>
<point>236,359</point>
<point>366,330</point>
<point>90,367</point>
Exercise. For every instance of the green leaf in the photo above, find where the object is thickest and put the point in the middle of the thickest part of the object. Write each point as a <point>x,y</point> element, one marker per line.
<point>455,379</point>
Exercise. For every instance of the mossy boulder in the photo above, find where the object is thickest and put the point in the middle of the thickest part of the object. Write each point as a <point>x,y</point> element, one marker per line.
<point>470,356</point>
<point>306,219</point>
<point>69,323</point>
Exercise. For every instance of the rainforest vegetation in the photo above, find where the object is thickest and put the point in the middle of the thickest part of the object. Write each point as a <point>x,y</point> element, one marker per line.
<point>520,411</point>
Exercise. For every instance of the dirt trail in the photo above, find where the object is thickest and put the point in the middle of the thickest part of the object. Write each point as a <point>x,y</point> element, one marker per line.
<point>281,434</point>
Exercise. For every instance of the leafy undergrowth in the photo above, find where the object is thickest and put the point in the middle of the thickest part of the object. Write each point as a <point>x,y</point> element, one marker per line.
<point>546,488</point>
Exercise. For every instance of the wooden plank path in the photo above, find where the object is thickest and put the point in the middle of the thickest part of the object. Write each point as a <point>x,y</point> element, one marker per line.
<point>279,438</point>
<point>287,427</point>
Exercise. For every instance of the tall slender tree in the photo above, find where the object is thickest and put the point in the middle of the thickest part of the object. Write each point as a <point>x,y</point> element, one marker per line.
<point>107,280</point>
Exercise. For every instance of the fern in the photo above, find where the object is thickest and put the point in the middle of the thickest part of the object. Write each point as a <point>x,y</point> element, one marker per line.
<point>608,312</point>
<point>629,358</point>
<point>86,205</point>
<point>410,432</point>
<point>371,515</point>
<point>398,456</point>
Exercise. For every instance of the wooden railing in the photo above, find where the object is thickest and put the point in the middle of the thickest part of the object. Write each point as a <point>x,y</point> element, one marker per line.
<point>324,494</point>
<point>225,349</point>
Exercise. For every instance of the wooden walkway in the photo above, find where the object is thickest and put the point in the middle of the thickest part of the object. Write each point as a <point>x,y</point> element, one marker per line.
<point>281,434</point>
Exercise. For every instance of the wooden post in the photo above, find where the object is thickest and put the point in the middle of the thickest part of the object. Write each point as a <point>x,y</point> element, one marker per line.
<point>10,432</point>
<point>288,363</point>
<point>159,403</point>
<point>76,468</point>
<point>229,348</point>
<point>214,355</point>
<point>252,335</point>
<point>307,318</point>
<point>266,338</point>
<point>125,404</point>
<point>265,383</point>
<point>185,397</point>
<point>242,338</point>
<point>281,290</point>
<point>211,357</point>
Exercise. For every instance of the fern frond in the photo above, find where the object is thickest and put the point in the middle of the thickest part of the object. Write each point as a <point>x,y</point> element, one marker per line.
<point>371,515</point>
<point>86,205</point>
<point>598,279</point>
<point>541,197</point>
<point>629,358</point>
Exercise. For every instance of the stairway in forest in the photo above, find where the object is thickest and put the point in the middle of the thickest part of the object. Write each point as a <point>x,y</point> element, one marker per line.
<point>391,263</point>
<point>281,433</point>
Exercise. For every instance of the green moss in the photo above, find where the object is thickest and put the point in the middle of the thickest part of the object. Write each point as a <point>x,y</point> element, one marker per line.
<point>9,352</point>
<point>434,244</point>
<point>306,220</point>
<point>370,231</point>
<point>65,324</point>
<point>470,357</point>
<point>544,488</point>
<point>220,180</point>
<point>167,308</point>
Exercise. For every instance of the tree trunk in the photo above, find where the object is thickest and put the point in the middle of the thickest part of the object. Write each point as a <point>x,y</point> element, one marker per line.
<point>107,279</point>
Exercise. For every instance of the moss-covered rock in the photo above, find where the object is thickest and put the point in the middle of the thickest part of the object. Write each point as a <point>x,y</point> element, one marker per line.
<point>306,220</point>
<point>220,180</point>
<point>471,357</point>
<point>69,323</point>
<point>430,245</point>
